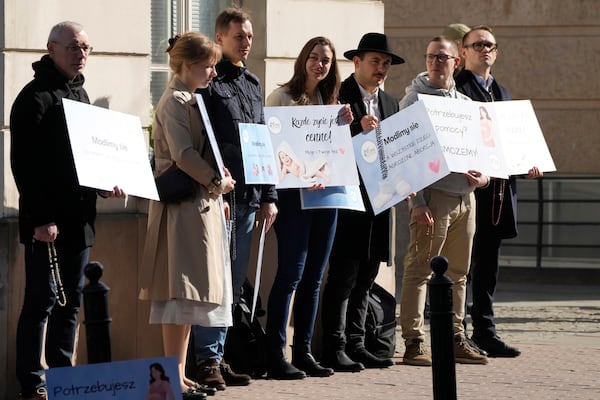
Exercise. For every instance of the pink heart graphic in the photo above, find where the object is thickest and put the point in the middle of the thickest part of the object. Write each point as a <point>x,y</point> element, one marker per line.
<point>435,166</point>
<point>342,150</point>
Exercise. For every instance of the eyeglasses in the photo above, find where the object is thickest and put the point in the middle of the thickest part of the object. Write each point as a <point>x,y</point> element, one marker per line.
<point>440,57</point>
<point>76,48</point>
<point>478,46</point>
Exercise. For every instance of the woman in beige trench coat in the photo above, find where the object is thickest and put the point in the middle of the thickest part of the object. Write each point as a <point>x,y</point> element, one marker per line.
<point>185,264</point>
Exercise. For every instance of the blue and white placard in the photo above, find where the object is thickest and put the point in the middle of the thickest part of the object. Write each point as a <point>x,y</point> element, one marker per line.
<point>400,157</point>
<point>260,166</point>
<point>121,380</point>
<point>347,197</point>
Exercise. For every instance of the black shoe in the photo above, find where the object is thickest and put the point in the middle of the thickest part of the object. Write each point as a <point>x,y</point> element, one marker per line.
<point>209,391</point>
<point>193,394</point>
<point>369,360</point>
<point>231,378</point>
<point>279,368</point>
<point>472,343</point>
<point>303,359</point>
<point>340,362</point>
<point>36,394</point>
<point>496,347</point>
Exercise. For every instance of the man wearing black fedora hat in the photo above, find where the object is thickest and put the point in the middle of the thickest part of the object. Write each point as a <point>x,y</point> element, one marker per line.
<point>362,239</point>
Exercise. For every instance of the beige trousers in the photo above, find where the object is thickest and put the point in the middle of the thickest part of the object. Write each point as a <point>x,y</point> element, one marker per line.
<point>450,236</point>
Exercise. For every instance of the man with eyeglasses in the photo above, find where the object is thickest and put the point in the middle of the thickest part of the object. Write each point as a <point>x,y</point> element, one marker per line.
<point>496,203</point>
<point>442,222</point>
<point>56,215</point>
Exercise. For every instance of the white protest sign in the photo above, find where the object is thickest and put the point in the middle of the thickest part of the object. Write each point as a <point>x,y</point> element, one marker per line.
<point>466,134</point>
<point>261,248</point>
<point>522,138</point>
<point>400,157</point>
<point>311,146</point>
<point>109,149</point>
<point>211,135</point>
<point>121,380</point>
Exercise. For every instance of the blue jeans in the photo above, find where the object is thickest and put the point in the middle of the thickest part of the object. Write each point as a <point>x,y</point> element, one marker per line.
<point>245,216</point>
<point>209,342</point>
<point>304,240</point>
<point>40,308</point>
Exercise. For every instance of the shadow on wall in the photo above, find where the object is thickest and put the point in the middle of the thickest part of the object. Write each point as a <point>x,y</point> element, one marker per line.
<point>103,102</point>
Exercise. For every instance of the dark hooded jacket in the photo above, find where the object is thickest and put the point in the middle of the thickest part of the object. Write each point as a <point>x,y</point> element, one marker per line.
<point>42,161</point>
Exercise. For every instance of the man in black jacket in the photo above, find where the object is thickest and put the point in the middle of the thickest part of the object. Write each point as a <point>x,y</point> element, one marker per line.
<point>362,239</point>
<point>496,215</point>
<point>56,215</point>
<point>234,96</point>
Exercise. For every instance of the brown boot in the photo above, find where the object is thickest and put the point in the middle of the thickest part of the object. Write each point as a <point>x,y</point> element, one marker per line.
<point>209,374</point>
<point>231,378</point>
<point>464,353</point>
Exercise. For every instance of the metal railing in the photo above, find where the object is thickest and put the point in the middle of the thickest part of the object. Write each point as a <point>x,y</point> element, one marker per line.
<point>566,223</point>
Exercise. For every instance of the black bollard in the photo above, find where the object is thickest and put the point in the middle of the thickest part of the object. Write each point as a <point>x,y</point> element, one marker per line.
<point>442,331</point>
<point>97,320</point>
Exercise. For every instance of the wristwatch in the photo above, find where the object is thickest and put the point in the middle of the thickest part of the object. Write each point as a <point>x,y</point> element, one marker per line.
<point>215,185</point>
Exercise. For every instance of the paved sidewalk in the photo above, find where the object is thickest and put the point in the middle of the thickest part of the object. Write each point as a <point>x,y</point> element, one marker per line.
<point>557,327</point>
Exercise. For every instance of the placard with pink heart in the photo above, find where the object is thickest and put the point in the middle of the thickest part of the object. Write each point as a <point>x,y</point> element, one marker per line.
<point>400,157</point>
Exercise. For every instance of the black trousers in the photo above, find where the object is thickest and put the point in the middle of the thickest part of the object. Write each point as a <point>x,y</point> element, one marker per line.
<point>345,300</point>
<point>484,276</point>
<point>40,310</point>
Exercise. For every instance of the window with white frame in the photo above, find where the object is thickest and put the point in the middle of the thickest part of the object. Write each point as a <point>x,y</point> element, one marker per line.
<point>169,17</point>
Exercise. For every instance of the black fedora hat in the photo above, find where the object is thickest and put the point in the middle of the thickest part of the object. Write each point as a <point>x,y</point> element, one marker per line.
<point>377,42</point>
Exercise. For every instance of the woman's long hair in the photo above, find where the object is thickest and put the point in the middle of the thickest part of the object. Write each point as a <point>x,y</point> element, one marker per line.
<point>328,87</point>
<point>159,368</point>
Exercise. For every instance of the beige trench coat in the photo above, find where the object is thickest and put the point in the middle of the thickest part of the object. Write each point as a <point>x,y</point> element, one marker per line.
<point>186,248</point>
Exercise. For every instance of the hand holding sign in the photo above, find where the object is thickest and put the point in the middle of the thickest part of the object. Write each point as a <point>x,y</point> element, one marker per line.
<point>400,157</point>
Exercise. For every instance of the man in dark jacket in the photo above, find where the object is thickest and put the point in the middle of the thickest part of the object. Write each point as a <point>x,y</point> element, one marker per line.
<point>496,215</point>
<point>56,215</point>
<point>362,239</point>
<point>234,96</point>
